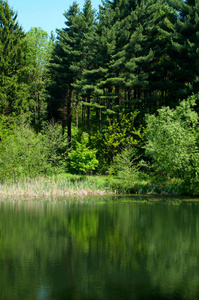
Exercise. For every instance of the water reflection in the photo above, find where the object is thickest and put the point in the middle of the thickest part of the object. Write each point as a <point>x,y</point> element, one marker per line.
<point>101,248</point>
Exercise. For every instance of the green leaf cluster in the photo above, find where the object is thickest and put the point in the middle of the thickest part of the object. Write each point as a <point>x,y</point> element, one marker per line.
<point>172,141</point>
<point>26,154</point>
<point>124,132</point>
<point>13,79</point>
<point>22,154</point>
<point>126,168</point>
<point>56,145</point>
<point>82,158</point>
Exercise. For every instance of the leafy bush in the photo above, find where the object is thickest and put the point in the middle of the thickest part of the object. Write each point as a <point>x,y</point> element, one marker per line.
<point>125,166</point>
<point>23,154</point>
<point>124,132</point>
<point>56,145</point>
<point>172,142</point>
<point>7,124</point>
<point>82,158</point>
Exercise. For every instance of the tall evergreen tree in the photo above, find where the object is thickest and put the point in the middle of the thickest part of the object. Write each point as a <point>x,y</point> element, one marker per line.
<point>181,50</point>
<point>141,54</point>
<point>132,53</point>
<point>83,86</point>
<point>13,49</point>
<point>74,53</point>
<point>138,65</point>
<point>106,43</point>
<point>186,46</point>
<point>65,66</point>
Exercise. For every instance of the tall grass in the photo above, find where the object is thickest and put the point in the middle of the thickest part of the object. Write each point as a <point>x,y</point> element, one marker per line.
<point>74,185</point>
<point>56,186</point>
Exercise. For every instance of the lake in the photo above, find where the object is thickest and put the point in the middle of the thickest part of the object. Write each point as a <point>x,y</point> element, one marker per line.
<point>127,247</point>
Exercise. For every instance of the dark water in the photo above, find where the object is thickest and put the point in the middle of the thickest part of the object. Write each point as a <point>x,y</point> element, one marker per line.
<point>99,248</point>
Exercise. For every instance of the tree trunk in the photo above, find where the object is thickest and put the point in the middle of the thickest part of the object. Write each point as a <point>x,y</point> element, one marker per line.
<point>69,114</point>
<point>88,111</point>
<point>100,119</point>
<point>76,113</point>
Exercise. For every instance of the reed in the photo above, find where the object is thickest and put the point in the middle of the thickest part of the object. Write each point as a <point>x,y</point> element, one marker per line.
<point>76,185</point>
<point>55,187</point>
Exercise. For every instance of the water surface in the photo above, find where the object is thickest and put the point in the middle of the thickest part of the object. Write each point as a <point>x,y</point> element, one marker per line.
<point>99,248</point>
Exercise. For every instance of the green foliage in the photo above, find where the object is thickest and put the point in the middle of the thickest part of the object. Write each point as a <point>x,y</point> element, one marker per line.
<point>125,164</point>
<point>13,77</point>
<point>7,124</point>
<point>82,158</point>
<point>125,167</point>
<point>185,44</point>
<point>56,145</point>
<point>39,48</point>
<point>97,141</point>
<point>123,132</point>
<point>172,141</point>
<point>23,154</point>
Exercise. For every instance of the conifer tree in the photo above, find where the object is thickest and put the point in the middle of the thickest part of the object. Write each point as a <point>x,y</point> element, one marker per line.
<point>128,83</point>
<point>13,81</point>
<point>65,65</point>
<point>140,54</point>
<point>74,54</point>
<point>88,47</point>
<point>185,45</point>
<point>181,50</point>
<point>116,30</point>
<point>127,69</point>
<point>106,43</point>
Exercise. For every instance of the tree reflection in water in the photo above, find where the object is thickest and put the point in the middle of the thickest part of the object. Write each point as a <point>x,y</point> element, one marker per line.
<point>103,248</point>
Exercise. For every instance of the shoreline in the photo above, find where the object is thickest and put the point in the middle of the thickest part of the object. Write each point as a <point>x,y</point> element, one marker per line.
<point>53,187</point>
<point>67,185</point>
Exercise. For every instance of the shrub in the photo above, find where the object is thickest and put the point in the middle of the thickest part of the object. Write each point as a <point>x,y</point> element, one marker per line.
<point>125,166</point>
<point>172,141</point>
<point>56,144</point>
<point>82,158</point>
<point>22,154</point>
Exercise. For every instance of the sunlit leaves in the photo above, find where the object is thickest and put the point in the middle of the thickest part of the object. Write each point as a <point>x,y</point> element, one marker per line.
<point>82,158</point>
<point>172,141</point>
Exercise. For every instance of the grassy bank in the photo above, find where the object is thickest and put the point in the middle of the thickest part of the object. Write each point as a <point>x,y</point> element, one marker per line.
<point>74,185</point>
<point>57,186</point>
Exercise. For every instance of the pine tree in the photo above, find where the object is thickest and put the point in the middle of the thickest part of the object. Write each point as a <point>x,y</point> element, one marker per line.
<point>181,66</point>
<point>13,81</point>
<point>140,54</point>
<point>65,65</point>
<point>83,86</point>
<point>112,82</point>
<point>106,44</point>
<point>185,47</point>
<point>126,68</point>
<point>146,59</point>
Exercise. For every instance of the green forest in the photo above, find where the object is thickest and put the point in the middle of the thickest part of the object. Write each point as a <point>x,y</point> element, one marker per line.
<point>113,94</point>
